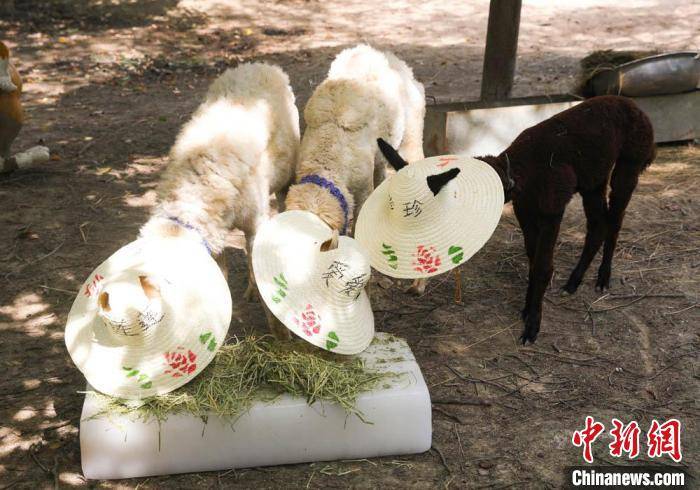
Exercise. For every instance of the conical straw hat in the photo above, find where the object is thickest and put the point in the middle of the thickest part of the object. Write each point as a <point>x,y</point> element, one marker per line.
<point>149,318</point>
<point>318,295</point>
<point>410,232</point>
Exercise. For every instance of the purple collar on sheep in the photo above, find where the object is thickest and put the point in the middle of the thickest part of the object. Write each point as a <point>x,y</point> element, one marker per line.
<point>335,192</point>
<point>188,226</point>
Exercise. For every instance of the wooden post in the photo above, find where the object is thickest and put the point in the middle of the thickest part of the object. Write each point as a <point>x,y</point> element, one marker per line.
<point>501,49</point>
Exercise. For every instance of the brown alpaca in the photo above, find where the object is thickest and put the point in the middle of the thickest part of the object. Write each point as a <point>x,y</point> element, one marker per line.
<point>604,139</point>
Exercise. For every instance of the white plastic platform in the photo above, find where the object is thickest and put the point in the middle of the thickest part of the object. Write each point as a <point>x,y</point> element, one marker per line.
<point>282,432</point>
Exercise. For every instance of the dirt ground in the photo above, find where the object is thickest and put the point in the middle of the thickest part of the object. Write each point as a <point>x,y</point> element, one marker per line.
<point>108,84</point>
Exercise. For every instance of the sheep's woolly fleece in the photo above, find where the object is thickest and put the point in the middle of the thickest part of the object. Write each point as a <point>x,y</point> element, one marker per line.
<point>239,146</point>
<point>367,95</point>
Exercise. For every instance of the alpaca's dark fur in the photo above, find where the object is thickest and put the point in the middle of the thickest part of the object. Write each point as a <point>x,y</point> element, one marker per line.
<point>604,139</point>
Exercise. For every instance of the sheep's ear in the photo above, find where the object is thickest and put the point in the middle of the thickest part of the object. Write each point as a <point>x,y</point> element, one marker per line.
<point>391,155</point>
<point>438,181</point>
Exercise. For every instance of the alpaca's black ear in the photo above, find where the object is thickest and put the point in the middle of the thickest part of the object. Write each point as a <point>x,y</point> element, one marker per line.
<point>438,181</point>
<point>391,155</point>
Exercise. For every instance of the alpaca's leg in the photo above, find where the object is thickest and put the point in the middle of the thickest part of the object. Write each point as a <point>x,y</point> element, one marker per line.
<point>281,197</point>
<point>276,327</point>
<point>528,224</point>
<point>251,291</point>
<point>222,263</point>
<point>541,274</point>
<point>622,183</point>
<point>379,171</point>
<point>596,209</point>
<point>359,199</point>
<point>417,287</point>
<point>411,147</point>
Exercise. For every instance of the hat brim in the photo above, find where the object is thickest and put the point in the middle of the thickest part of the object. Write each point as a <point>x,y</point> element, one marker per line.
<point>453,237</point>
<point>283,258</point>
<point>198,302</point>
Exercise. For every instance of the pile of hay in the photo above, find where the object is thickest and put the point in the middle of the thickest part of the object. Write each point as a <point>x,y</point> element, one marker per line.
<point>258,369</point>
<point>606,59</point>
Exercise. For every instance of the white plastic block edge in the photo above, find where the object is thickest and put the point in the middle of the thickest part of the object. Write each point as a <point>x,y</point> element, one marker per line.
<point>285,431</point>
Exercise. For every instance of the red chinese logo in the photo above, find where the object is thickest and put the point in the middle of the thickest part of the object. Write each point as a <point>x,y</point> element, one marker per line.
<point>661,439</point>
<point>625,439</point>
<point>586,437</point>
<point>665,439</point>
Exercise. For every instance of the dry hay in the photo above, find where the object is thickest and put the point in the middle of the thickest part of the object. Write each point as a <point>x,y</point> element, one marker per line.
<point>607,59</point>
<point>258,369</point>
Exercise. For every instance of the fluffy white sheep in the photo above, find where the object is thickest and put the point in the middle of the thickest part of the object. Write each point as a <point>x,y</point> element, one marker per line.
<point>239,147</point>
<point>367,95</point>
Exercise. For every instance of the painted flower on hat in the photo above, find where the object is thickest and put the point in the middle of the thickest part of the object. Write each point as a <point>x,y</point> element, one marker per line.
<point>94,286</point>
<point>180,362</point>
<point>309,321</point>
<point>426,259</point>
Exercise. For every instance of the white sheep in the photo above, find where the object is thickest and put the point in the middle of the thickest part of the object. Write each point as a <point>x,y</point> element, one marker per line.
<point>239,147</point>
<point>367,95</point>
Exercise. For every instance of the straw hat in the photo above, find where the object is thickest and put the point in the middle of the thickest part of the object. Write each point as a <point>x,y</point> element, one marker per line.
<point>431,216</point>
<point>318,295</point>
<point>149,318</point>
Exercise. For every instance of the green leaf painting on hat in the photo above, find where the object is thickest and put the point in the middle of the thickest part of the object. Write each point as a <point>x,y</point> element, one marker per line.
<point>456,254</point>
<point>332,341</point>
<point>391,257</point>
<point>141,378</point>
<point>208,340</point>
<point>282,287</point>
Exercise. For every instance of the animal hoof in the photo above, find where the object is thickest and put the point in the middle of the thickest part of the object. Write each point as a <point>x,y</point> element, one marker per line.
<point>417,288</point>
<point>602,283</point>
<point>569,288</point>
<point>532,328</point>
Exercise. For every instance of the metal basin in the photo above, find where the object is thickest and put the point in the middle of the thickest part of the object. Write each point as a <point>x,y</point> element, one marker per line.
<point>670,73</point>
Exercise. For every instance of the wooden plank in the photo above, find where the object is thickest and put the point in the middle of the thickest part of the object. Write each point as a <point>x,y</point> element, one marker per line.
<point>473,128</point>
<point>501,49</point>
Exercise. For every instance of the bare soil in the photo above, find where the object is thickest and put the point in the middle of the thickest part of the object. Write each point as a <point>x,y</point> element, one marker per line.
<point>108,84</point>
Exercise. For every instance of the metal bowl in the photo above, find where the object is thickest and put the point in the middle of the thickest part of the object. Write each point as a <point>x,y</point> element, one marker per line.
<point>670,73</point>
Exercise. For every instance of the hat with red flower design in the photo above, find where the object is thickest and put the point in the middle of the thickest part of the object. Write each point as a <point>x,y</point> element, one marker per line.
<point>431,216</point>
<point>149,318</point>
<point>315,290</point>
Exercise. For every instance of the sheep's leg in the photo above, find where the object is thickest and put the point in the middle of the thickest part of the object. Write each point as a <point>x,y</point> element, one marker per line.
<point>622,183</point>
<point>541,274</point>
<point>596,210</point>
<point>528,225</point>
